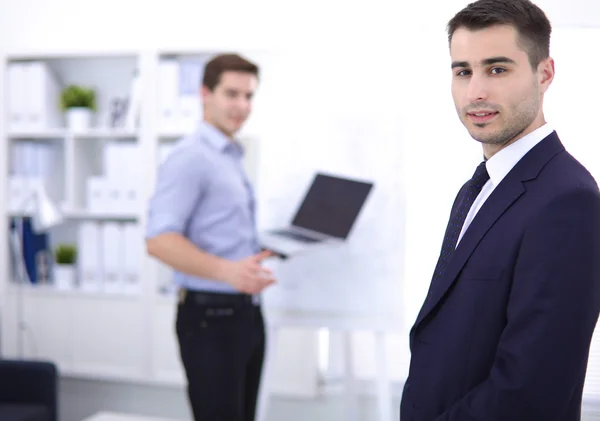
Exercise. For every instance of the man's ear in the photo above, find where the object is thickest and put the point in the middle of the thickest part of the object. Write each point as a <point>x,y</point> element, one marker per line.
<point>546,73</point>
<point>205,92</point>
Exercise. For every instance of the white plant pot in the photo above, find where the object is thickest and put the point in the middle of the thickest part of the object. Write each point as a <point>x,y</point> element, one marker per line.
<point>79,119</point>
<point>64,276</point>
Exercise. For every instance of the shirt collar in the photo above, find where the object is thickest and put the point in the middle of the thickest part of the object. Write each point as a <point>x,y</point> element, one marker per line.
<point>499,165</point>
<point>217,139</point>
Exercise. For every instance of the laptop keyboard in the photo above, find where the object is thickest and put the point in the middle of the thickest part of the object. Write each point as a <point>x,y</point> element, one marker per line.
<point>297,236</point>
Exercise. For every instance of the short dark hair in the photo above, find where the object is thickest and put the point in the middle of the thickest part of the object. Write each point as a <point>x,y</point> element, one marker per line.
<point>529,20</point>
<point>226,63</point>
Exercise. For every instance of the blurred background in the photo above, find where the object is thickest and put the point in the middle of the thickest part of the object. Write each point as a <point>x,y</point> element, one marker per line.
<point>356,88</point>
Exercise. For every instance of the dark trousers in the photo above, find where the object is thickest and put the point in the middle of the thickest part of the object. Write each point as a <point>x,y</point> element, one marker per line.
<point>222,344</point>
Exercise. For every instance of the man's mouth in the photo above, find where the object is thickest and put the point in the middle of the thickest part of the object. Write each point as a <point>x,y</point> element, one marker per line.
<point>482,116</point>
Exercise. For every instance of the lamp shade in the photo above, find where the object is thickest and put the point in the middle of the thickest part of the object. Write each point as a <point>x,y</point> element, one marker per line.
<point>45,213</point>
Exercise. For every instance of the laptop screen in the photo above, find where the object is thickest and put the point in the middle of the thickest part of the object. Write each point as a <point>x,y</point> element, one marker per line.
<point>332,205</point>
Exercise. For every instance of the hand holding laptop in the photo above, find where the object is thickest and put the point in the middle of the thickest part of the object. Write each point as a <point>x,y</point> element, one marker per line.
<point>248,275</point>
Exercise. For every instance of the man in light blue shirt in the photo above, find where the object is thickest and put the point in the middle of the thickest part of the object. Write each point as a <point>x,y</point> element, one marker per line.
<point>201,222</point>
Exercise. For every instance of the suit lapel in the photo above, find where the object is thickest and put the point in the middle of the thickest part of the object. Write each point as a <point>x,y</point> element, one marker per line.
<point>500,200</point>
<point>503,196</point>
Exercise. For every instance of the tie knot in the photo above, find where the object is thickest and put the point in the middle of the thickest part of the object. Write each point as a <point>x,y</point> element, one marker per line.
<point>480,177</point>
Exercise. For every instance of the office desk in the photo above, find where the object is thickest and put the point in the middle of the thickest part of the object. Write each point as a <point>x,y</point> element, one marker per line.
<point>277,319</point>
<point>342,289</point>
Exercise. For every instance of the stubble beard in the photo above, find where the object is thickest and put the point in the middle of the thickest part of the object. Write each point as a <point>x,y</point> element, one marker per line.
<point>516,120</point>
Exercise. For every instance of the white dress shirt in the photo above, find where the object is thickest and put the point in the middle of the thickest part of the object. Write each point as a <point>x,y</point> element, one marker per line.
<point>499,165</point>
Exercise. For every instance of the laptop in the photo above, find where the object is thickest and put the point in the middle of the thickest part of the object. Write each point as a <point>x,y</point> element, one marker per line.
<point>326,215</point>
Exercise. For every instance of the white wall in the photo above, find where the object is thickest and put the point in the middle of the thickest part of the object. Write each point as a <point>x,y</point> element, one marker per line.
<point>407,40</point>
<point>91,24</point>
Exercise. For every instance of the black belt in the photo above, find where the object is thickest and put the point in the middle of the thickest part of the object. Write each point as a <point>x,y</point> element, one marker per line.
<point>214,298</point>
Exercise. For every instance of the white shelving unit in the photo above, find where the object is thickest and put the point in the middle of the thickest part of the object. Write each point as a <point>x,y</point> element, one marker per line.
<point>94,333</point>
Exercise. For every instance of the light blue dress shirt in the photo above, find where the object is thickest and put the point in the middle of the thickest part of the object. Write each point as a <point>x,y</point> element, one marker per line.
<point>203,193</point>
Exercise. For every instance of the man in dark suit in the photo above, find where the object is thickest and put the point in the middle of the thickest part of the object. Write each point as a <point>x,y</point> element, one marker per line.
<point>505,331</point>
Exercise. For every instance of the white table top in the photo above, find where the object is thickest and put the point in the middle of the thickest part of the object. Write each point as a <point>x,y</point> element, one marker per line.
<point>338,288</point>
<point>115,416</point>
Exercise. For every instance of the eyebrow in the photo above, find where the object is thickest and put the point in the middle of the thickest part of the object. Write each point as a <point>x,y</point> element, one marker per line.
<point>486,62</point>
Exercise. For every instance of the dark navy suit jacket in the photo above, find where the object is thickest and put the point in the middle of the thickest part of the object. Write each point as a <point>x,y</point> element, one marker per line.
<point>505,335</point>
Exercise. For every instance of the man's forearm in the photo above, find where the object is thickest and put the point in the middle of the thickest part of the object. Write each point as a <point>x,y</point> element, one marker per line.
<point>182,255</point>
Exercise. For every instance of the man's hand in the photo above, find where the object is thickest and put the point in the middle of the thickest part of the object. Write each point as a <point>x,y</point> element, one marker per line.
<point>248,275</point>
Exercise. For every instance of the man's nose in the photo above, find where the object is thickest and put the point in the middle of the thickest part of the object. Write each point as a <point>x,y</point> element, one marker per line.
<point>478,89</point>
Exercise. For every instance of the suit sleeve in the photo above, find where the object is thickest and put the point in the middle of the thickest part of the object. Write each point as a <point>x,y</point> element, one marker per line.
<point>552,312</point>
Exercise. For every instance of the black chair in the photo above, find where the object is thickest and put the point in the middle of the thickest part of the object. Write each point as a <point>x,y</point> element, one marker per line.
<point>28,390</point>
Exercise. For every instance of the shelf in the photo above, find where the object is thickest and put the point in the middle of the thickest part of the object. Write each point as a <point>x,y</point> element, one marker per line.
<point>104,216</point>
<point>83,214</point>
<point>106,134</point>
<point>69,326</point>
<point>187,53</point>
<point>63,133</point>
<point>70,54</point>
<point>47,290</point>
<point>46,134</point>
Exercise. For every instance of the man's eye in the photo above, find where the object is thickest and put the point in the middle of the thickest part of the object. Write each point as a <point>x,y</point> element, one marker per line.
<point>463,73</point>
<point>497,70</point>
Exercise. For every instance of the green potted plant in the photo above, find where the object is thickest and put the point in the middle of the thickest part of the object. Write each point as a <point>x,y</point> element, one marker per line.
<point>65,259</point>
<point>79,103</point>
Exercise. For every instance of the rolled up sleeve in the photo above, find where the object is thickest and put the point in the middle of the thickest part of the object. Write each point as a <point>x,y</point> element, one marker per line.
<point>179,187</point>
